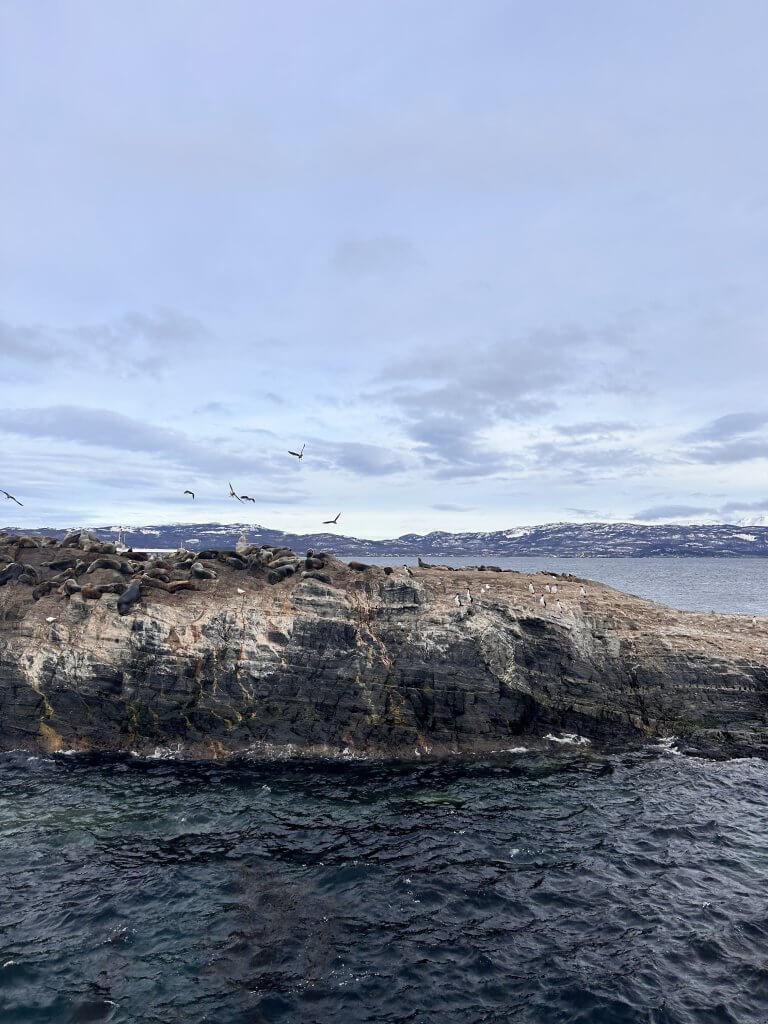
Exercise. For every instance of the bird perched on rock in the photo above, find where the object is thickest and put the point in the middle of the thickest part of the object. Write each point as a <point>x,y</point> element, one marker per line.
<point>559,606</point>
<point>582,591</point>
<point>299,455</point>
<point>542,602</point>
<point>548,588</point>
<point>51,618</point>
<point>408,570</point>
<point>332,522</point>
<point>192,493</point>
<point>457,601</point>
<point>553,588</point>
<point>531,589</point>
<point>470,599</point>
<point>10,497</point>
<point>240,590</point>
<point>232,492</point>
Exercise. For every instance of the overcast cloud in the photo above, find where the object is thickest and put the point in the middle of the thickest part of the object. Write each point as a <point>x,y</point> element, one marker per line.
<point>494,264</point>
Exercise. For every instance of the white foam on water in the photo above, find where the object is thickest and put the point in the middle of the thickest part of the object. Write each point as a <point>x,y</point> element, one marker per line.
<point>569,737</point>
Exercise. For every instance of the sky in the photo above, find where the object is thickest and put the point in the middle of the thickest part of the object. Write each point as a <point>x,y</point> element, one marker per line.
<point>493,263</point>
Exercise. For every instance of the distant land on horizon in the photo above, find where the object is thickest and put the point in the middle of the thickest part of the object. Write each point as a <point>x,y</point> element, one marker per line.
<point>567,540</point>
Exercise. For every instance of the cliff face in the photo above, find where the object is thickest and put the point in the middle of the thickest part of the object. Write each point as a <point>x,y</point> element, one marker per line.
<point>358,660</point>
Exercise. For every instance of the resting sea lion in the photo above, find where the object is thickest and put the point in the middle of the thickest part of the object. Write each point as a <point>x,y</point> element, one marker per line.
<point>128,597</point>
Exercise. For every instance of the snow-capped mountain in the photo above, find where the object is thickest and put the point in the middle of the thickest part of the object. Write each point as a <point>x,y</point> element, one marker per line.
<point>565,539</point>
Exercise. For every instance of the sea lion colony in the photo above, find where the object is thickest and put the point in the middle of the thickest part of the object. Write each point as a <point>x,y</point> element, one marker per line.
<point>82,564</point>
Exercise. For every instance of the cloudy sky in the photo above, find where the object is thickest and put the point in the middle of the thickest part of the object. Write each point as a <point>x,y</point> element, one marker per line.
<point>495,263</point>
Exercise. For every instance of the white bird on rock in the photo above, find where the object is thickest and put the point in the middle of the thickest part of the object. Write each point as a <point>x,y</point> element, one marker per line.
<point>240,590</point>
<point>542,602</point>
<point>554,588</point>
<point>548,588</point>
<point>582,591</point>
<point>457,601</point>
<point>531,589</point>
<point>470,599</point>
<point>51,618</point>
<point>559,606</point>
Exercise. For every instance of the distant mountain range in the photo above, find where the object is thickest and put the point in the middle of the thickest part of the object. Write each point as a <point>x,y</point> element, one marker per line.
<point>573,540</point>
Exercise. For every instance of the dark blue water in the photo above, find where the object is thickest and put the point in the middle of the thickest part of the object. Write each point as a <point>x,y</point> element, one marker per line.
<point>535,887</point>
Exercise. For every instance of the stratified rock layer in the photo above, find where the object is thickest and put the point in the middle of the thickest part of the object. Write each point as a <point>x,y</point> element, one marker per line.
<point>226,653</point>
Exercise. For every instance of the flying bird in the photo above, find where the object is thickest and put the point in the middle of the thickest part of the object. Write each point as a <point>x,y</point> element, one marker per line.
<point>244,497</point>
<point>10,497</point>
<point>327,522</point>
<point>232,493</point>
<point>192,493</point>
<point>299,455</point>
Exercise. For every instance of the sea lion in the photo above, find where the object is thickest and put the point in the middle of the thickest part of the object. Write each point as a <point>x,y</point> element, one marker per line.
<point>359,566</point>
<point>388,570</point>
<point>313,563</point>
<point>128,597</point>
<point>276,563</point>
<point>89,593</point>
<point>322,577</point>
<point>69,587</point>
<point>281,573</point>
<point>42,589</point>
<point>153,583</point>
<point>175,585</point>
<point>106,562</point>
<point>234,563</point>
<point>158,574</point>
<point>60,563</point>
<point>11,572</point>
<point>111,588</point>
<point>199,570</point>
<point>70,540</point>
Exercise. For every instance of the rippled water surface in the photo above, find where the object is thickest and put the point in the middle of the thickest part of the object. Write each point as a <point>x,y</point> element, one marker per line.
<point>531,887</point>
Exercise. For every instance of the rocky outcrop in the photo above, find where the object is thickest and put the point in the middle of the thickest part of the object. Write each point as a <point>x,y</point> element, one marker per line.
<point>259,650</point>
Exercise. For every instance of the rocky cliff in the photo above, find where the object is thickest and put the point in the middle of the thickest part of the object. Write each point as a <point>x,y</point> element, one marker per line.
<point>257,650</point>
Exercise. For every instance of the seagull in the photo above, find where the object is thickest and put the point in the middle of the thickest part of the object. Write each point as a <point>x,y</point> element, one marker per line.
<point>328,522</point>
<point>582,591</point>
<point>299,455</point>
<point>244,497</point>
<point>51,618</point>
<point>457,601</point>
<point>192,493</point>
<point>530,589</point>
<point>240,590</point>
<point>542,602</point>
<point>10,497</point>
<point>232,491</point>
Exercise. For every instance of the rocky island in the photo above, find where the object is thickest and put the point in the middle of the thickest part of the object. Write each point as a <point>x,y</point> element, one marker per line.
<point>257,650</point>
